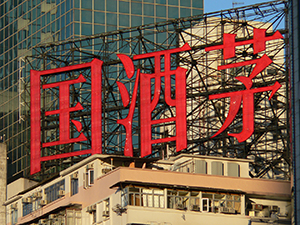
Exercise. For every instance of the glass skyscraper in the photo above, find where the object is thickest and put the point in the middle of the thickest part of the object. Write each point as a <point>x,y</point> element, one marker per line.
<point>26,23</point>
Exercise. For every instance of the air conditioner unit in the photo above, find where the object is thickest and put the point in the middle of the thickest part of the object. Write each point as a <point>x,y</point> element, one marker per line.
<point>43,221</point>
<point>252,213</point>
<point>14,206</point>
<point>258,207</point>
<point>179,206</point>
<point>61,193</point>
<point>195,208</point>
<point>91,208</point>
<point>74,176</point>
<point>37,194</point>
<point>274,208</point>
<point>43,202</point>
<point>27,200</point>
<point>227,210</point>
<point>105,213</point>
<point>51,216</point>
<point>90,166</point>
<point>106,170</point>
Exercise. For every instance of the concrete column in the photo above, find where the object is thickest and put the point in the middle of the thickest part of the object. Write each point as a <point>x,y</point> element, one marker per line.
<point>243,205</point>
<point>3,169</point>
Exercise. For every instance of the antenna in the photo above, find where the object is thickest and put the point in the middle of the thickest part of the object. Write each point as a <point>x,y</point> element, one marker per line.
<point>237,3</point>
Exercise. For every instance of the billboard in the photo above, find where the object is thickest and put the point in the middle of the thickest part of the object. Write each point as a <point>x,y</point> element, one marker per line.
<point>211,85</point>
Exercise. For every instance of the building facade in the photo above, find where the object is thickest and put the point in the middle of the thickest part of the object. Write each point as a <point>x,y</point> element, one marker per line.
<point>179,190</point>
<point>25,24</point>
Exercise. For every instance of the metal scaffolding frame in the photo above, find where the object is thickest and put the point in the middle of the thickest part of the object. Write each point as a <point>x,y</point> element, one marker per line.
<point>268,147</point>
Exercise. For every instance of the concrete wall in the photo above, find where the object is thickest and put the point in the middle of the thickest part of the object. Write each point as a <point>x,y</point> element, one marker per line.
<point>175,217</point>
<point>19,185</point>
<point>3,171</point>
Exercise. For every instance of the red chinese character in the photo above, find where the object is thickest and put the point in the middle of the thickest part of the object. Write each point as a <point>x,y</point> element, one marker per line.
<point>247,96</point>
<point>148,102</point>
<point>64,113</point>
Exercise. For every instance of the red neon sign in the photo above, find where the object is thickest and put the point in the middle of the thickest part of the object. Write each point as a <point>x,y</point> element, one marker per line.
<point>64,113</point>
<point>148,104</point>
<point>247,96</point>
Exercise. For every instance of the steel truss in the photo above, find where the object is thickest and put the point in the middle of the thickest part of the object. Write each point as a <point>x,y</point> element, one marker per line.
<point>268,147</point>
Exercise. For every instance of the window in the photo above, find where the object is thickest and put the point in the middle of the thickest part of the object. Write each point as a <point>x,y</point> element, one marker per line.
<point>27,208</point>
<point>217,168</point>
<point>124,197</point>
<point>73,216</point>
<point>14,216</point>
<point>52,192</point>
<point>182,199</point>
<point>200,167</point>
<point>233,169</point>
<point>205,206</point>
<point>139,196</point>
<point>178,199</point>
<point>89,176</point>
<point>148,10</point>
<point>94,216</point>
<point>221,202</point>
<point>74,184</point>
<point>92,210</point>
<point>105,212</point>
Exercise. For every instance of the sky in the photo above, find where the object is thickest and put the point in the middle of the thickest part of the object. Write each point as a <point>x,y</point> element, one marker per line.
<point>217,5</point>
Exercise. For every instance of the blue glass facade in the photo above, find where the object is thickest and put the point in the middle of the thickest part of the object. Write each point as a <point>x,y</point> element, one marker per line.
<point>26,23</point>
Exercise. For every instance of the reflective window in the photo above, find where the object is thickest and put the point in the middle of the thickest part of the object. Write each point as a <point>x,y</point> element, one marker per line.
<point>148,10</point>
<point>86,16</point>
<point>123,7</point>
<point>136,8</point>
<point>148,20</point>
<point>99,5</point>
<point>160,11</point>
<point>111,5</point>
<point>186,3</point>
<point>110,28</point>
<point>185,12</point>
<point>124,20</point>
<point>197,3</point>
<point>77,15</point>
<point>197,12</point>
<point>172,12</point>
<point>173,2</point>
<point>136,21</point>
<point>86,29</point>
<point>99,29</point>
<point>86,4</point>
<point>111,19</point>
<point>99,17</point>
